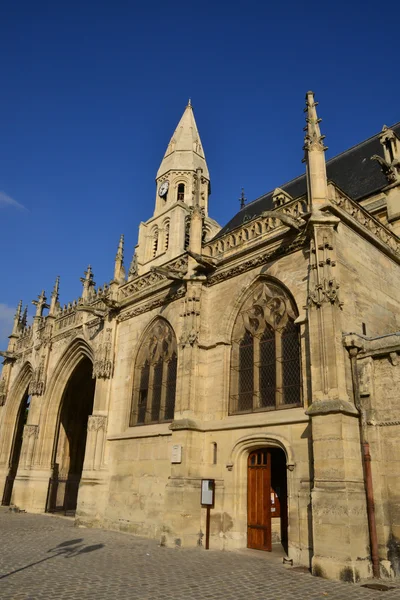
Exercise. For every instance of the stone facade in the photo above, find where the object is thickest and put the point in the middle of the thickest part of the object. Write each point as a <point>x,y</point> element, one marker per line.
<point>278,332</point>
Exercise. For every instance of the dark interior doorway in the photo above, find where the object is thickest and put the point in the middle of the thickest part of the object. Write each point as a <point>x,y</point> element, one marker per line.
<point>267,520</point>
<point>77,405</point>
<point>16,449</point>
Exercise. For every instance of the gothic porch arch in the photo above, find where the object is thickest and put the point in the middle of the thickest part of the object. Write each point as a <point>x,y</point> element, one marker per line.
<point>12,408</point>
<point>52,401</point>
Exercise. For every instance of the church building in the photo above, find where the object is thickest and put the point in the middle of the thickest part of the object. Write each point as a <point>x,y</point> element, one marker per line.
<point>233,387</point>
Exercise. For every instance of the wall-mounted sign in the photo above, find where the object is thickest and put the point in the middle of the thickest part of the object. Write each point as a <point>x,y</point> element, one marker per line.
<point>176,454</point>
<point>207,492</point>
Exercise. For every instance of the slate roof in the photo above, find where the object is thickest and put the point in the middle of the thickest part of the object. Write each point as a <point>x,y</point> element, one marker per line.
<point>353,171</point>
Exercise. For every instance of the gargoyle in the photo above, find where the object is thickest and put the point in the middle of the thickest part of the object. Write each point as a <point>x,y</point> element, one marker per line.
<point>206,262</point>
<point>390,170</point>
<point>294,222</point>
<point>174,275</point>
<point>8,355</point>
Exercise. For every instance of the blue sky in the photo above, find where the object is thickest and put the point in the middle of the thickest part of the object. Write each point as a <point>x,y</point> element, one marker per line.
<point>92,92</point>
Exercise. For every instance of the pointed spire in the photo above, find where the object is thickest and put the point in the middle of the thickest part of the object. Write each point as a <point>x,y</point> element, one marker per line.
<point>24,318</point>
<point>185,151</point>
<point>242,199</point>
<point>314,156</point>
<point>17,319</point>
<point>40,304</point>
<point>119,270</point>
<point>88,284</point>
<point>54,297</point>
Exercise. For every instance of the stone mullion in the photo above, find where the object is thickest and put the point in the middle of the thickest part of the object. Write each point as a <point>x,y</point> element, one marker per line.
<point>278,369</point>
<point>256,372</point>
<point>234,371</point>
<point>164,386</point>
<point>149,402</point>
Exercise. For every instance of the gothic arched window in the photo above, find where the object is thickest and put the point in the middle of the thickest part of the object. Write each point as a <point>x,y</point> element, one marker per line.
<point>181,192</point>
<point>155,377</point>
<point>265,362</point>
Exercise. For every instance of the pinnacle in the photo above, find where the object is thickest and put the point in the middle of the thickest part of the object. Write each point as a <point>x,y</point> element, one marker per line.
<point>184,151</point>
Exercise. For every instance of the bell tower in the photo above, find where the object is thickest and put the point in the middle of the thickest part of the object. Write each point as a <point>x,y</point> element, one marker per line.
<point>182,185</point>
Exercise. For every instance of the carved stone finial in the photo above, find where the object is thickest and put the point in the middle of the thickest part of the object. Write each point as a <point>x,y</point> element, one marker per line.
<point>119,271</point>
<point>242,199</point>
<point>313,140</point>
<point>120,251</point>
<point>88,284</point>
<point>40,304</point>
<point>54,297</point>
<point>189,102</point>
<point>24,318</point>
<point>390,164</point>
<point>133,269</point>
<point>17,319</point>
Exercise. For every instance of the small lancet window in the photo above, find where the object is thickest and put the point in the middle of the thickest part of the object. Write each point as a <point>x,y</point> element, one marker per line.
<point>181,192</point>
<point>166,235</point>
<point>214,453</point>
<point>155,242</point>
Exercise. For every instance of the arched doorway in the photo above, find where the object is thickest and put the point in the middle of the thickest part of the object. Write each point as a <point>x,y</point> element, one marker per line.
<point>70,444</point>
<point>267,515</point>
<point>16,448</point>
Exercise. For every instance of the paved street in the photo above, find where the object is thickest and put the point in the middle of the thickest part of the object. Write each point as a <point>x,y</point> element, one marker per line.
<point>46,557</point>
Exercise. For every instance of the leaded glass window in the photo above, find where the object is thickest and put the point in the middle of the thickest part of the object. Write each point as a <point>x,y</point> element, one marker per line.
<point>265,362</point>
<point>155,377</point>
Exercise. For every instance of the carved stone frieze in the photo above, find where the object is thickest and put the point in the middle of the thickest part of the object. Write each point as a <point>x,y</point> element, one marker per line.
<point>166,299</point>
<point>103,364</point>
<point>369,222</point>
<point>3,392</point>
<point>145,281</point>
<point>260,259</point>
<point>38,382</point>
<point>323,286</point>
<point>31,431</point>
<point>96,422</point>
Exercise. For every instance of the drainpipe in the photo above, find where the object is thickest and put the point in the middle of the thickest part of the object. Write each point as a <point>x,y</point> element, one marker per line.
<point>366,459</point>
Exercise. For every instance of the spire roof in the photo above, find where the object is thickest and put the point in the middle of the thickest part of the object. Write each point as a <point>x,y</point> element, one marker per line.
<point>185,151</point>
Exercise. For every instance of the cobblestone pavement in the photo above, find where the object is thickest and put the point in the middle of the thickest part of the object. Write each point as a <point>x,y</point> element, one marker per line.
<point>45,557</point>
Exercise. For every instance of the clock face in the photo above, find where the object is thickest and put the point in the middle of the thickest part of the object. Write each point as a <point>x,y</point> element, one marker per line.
<point>163,189</point>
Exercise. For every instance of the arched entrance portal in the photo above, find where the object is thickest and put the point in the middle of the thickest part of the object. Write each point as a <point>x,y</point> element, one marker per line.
<point>267,499</point>
<point>69,452</point>
<point>16,448</point>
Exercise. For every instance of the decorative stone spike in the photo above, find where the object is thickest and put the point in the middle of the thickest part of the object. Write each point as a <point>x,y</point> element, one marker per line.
<point>17,319</point>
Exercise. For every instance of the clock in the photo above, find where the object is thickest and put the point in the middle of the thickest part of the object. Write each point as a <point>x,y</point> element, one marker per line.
<point>163,189</point>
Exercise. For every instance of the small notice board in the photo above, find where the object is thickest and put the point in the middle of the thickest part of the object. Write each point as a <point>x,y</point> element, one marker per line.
<point>207,492</point>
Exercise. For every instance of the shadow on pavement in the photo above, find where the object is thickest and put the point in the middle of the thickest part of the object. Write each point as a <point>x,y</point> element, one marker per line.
<point>68,549</point>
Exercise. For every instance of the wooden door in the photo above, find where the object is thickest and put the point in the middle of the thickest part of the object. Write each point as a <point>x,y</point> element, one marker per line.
<point>259,500</point>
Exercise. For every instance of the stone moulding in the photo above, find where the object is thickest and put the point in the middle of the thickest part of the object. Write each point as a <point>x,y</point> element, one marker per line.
<point>148,280</point>
<point>254,228</point>
<point>222,274</point>
<point>354,213</point>
<point>156,303</point>
<point>326,407</point>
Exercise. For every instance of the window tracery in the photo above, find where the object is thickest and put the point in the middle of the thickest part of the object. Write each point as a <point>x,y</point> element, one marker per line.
<point>265,361</point>
<point>155,377</point>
